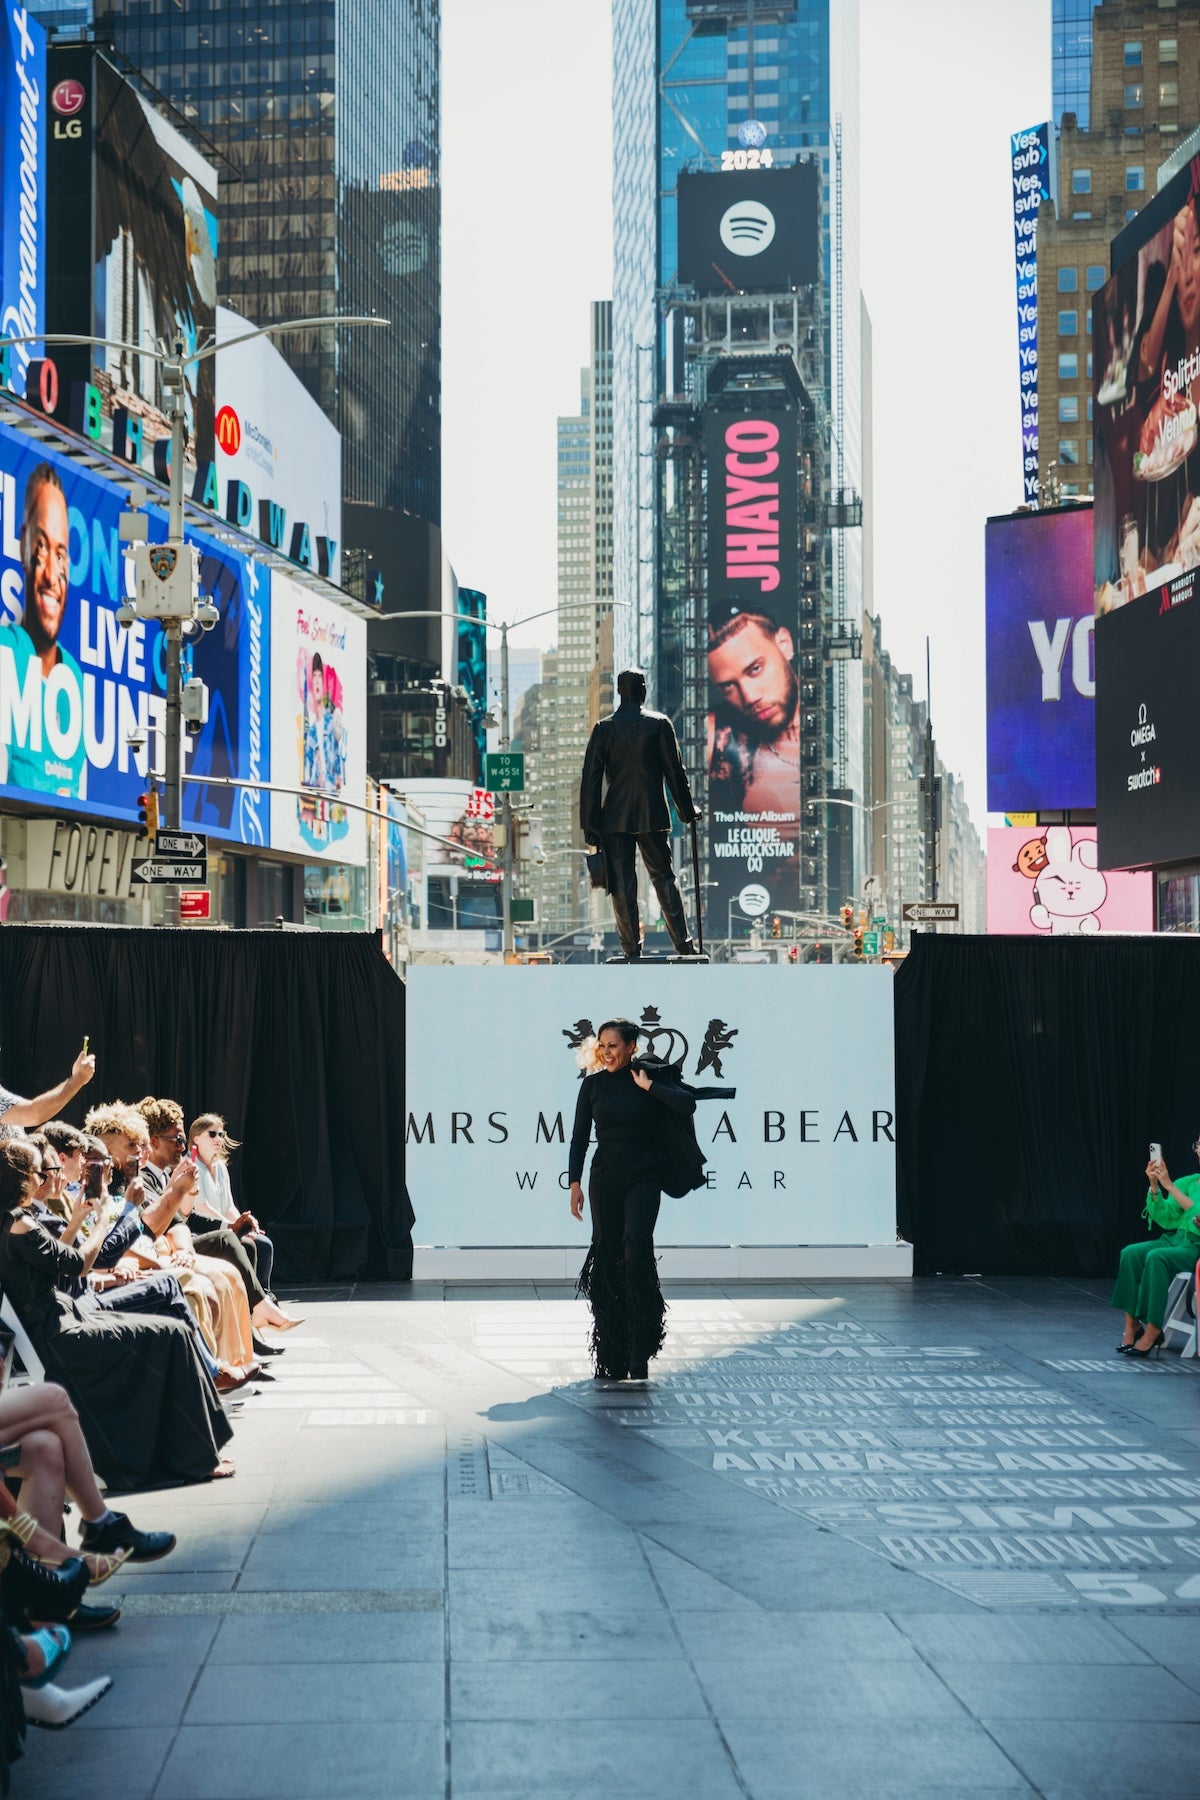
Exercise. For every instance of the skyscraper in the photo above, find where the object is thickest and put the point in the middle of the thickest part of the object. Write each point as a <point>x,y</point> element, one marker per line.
<point>1072,59</point>
<point>325,116</point>
<point>698,83</point>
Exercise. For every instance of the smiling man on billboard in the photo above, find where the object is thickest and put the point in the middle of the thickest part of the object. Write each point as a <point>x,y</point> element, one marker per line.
<point>42,748</point>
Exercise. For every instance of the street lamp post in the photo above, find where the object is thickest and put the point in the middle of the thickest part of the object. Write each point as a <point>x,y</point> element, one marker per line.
<point>172,599</point>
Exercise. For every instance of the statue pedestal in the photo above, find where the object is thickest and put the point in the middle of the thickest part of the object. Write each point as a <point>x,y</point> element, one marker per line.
<point>637,961</point>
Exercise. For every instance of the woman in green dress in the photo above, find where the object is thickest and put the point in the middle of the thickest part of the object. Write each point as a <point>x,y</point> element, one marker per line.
<point>1147,1270</point>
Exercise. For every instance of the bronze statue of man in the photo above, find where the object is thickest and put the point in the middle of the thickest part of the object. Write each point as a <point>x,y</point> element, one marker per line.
<point>635,752</point>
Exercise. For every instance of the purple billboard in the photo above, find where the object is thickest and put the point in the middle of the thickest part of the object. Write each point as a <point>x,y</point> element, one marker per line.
<point>1041,683</point>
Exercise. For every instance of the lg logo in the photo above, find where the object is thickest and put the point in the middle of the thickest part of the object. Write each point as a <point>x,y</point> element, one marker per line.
<point>748,228</point>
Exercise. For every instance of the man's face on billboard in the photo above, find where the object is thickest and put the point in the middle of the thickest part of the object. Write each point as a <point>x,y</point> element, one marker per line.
<point>47,559</point>
<point>752,672</point>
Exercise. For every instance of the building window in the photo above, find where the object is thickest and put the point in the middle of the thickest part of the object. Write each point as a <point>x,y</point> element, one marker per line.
<point>1133,94</point>
<point>1168,93</point>
<point>1133,56</point>
<point>1068,409</point>
<point>1089,409</point>
<point>1081,215</point>
<point>1168,50</point>
<point>1068,324</point>
<point>1097,275</point>
<point>1081,181</point>
<point>1068,281</point>
<point>1068,366</point>
<point>1089,365</point>
<point>1135,179</point>
<point>1068,451</point>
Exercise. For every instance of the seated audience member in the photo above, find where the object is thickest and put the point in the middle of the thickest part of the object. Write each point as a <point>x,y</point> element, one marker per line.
<point>69,1147</point>
<point>1147,1269</point>
<point>164,1120</point>
<point>215,1199</point>
<point>147,1406</point>
<point>126,1276</point>
<point>26,1113</point>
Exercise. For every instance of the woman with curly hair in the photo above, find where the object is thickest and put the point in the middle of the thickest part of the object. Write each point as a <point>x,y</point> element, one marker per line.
<point>619,1278</point>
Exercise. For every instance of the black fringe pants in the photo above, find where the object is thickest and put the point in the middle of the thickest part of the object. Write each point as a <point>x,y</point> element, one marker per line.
<point>619,1279</point>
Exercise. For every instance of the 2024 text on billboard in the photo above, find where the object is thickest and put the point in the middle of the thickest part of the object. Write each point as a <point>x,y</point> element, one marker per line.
<point>174,362</point>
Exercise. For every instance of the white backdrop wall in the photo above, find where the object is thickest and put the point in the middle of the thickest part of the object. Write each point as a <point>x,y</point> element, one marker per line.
<point>803,1156</point>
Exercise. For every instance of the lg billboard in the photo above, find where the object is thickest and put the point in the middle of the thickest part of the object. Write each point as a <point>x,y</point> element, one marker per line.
<point>754,230</point>
<point>1041,682</point>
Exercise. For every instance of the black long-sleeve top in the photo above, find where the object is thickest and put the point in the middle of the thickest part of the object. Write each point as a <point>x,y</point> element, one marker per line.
<point>623,1114</point>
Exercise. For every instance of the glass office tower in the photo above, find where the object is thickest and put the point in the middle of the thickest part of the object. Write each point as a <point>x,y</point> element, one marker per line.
<point>687,75</point>
<point>325,113</point>
<point>1072,59</point>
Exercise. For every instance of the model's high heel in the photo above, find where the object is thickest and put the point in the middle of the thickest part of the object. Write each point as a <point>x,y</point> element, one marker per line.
<point>1150,1350</point>
<point>1123,1347</point>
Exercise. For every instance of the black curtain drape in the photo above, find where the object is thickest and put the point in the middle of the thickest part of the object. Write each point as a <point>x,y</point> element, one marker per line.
<point>297,1038</point>
<point>1031,1076</point>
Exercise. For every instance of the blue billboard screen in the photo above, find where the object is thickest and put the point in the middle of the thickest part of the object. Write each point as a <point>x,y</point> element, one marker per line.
<point>1041,683</point>
<point>74,686</point>
<point>22,185</point>
<point>1031,184</point>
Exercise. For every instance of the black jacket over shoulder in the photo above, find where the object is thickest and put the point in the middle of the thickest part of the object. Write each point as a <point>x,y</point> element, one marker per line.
<point>636,753</point>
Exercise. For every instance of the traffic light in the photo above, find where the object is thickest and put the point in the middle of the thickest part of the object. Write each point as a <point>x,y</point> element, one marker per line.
<point>858,940</point>
<point>847,916</point>
<point>776,926</point>
<point>793,953</point>
<point>148,812</point>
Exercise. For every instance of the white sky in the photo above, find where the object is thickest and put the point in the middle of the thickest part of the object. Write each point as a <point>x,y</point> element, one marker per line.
<point>527,224</point>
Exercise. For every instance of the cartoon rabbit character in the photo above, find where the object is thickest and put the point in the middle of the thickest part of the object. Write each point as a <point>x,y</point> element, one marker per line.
<point>1069,892</point>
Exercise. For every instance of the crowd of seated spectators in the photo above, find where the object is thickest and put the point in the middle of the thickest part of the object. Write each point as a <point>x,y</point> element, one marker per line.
<point>145,1294</point>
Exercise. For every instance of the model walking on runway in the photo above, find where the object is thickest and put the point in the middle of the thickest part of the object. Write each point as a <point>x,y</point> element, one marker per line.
<point>619,1279</point>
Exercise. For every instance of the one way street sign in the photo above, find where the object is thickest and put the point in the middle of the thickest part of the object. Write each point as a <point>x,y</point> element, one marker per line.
<point>180,843</point>
<point>166,874</point>
<point>930,912</point>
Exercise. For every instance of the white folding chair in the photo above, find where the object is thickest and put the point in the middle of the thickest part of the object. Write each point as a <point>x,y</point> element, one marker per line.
<point>1179,1326</point>
<point>31,1362</point>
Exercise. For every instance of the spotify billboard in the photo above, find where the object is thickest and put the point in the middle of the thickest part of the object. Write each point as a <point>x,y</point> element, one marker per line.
<point>755,229</point>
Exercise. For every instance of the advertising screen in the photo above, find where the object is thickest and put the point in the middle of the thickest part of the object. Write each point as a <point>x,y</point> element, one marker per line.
<point>1146,361</point>
<point>22,185</point>
<point>1147,769</point>
<point>1045,881</point>
<point>754,721</point>
<point>755,230</point>
<point>123,176</point>
<point>471,664</point>
<point>318,725</point>
<point>273,438</point>
<point>1040,677</point>
<point>803,1152</point>
<point>1031,184</point>
<point>74,685</point>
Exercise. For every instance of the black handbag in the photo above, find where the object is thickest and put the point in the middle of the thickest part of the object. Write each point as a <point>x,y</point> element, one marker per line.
<point>597,868</point>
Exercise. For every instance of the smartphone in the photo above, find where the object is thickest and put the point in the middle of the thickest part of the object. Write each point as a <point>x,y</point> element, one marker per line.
<point>194,1153</point>
<point>85,1043</point>
<point>93,1181</point>
<point>1156,1153</point>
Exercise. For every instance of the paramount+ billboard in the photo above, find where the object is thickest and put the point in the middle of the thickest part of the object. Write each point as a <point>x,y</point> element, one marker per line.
<point>755,230</point>
<point>753,692</point>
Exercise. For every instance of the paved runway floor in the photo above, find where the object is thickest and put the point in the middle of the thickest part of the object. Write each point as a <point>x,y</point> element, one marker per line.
<point>883,1539</point>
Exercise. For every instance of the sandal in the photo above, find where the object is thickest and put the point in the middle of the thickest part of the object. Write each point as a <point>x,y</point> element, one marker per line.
<point>54,1642</point>
<point>101,1568</point>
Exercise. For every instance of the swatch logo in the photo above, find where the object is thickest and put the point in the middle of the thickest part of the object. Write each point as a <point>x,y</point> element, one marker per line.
<point>748,228</point>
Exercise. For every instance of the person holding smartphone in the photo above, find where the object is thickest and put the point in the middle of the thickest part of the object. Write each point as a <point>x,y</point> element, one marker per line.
<point>1147,1269</point>
<point>14,1110</point>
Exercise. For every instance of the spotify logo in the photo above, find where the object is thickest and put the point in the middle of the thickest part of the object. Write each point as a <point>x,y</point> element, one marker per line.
<point>747,228</point>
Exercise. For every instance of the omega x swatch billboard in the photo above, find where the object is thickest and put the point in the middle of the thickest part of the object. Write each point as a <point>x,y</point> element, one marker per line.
<point>74,686</point>
<point>802,1154</point>
<point>1147,768</point>
<point>754,230</point>
<point>1041,681</point>
<point>754,719</point>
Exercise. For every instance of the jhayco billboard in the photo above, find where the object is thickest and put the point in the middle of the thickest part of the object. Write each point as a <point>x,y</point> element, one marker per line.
<point>1047,883</point>
<point>74,685</point>
<point>1031,184</point>
<point>754,695</point>
<point>1041,682</point>
<point>22,185</point>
